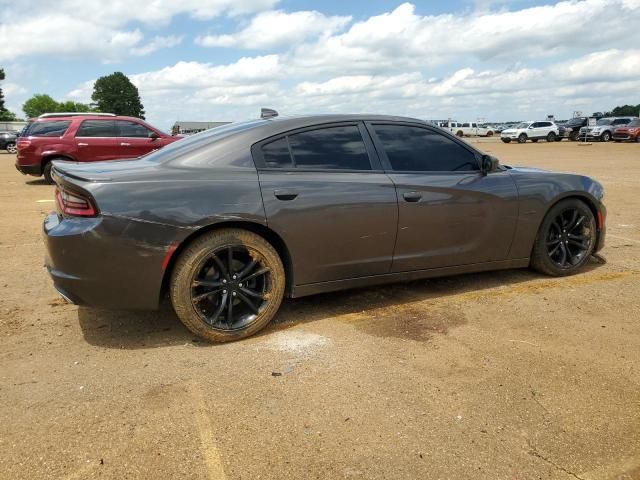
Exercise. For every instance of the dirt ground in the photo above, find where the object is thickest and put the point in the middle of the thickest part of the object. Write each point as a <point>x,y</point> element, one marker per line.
<point>504,375</point>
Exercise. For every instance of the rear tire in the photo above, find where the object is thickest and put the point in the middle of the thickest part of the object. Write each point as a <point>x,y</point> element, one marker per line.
<point>11,147</point>
<point>522,138</point>
<point>489,133</point>
<point>459,133</point>
<point>46,173</point>
<point>573,136</point>
<point>506,140</point>
<point>565,240</point>
<point>551,137</point>
<point>211,269</point>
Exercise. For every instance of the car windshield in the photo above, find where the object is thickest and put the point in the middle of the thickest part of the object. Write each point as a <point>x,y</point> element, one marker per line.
<point>604,121</point>
<point>198,140</point>
<point>634,123</point>
<point>522,125</point>
<point>575,121</point>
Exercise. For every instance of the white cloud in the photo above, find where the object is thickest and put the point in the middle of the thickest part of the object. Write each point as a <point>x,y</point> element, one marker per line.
<point>277,28</point>
<point>156,44</point>
<point>102,29</point>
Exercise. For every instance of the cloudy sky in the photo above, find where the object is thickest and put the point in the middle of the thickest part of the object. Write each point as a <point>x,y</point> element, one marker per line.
<point>224,59</point>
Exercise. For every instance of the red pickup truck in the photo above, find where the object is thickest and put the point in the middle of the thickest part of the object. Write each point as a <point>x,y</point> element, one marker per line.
<point>84,138</point>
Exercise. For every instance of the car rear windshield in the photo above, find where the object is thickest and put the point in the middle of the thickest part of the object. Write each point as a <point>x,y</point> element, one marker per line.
<point>201,139</point>
<point>46,129</point>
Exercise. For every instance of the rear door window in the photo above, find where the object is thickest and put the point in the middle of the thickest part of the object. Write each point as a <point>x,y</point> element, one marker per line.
<point>97,128</point>
<point>329,148</point>
<point>276,154</point>
<point>47,129</point>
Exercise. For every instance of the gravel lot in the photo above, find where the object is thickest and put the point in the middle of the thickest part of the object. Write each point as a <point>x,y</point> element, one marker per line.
<point>494,375</point>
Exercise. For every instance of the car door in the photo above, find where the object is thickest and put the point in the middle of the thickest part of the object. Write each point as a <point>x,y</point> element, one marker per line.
<point>326,195</point>
<point>97,140</point>
<point>135,139</point>
<point>450,213</point>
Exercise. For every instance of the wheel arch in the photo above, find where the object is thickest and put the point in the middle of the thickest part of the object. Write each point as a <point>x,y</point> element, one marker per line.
<point>274,239</point>
<point>54,156</point>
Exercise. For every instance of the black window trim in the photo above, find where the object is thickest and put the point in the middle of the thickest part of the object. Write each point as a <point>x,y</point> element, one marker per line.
<point>258,158</point>
<point>382,154</point>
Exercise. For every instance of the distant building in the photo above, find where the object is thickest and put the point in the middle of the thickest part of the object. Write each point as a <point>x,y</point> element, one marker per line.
<point>12,126</point>
<point>189,128</point>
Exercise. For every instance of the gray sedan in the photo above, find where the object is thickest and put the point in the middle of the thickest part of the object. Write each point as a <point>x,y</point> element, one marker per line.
<point>231,220</point>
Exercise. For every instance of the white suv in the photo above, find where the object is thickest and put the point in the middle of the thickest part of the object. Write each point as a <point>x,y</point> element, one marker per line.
<point>468,129</point>
<point>533,131</point>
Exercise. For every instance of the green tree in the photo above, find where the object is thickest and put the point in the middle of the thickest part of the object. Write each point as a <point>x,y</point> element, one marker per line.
<point>70,106</point>
<point>116,94</point>
<point>5,115</point>
<point>38,104</point>
<point>626,110</point>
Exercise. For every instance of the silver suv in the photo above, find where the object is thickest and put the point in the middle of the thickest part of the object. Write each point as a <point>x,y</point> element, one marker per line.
<point>533,131</point>
<point>603,129</point>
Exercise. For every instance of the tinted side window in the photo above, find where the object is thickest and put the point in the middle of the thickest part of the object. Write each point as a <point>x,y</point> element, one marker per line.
<point>421,150</point>
<point>465,124</point>
<point>330,148</point>
<point>620,121</point>
<point>276,154</point>
<point>47,129</point>
<point>97,128</point>
<point>131,129</point>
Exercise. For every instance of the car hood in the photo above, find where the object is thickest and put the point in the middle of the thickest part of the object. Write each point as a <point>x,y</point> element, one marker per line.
<point>509,130</point>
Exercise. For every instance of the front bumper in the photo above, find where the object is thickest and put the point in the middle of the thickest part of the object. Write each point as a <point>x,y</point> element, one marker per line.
<point>623,137</point>
<point>105,262</point>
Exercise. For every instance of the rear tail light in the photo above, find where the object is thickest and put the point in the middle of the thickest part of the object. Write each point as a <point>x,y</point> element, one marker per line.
<point>74,204</point>
<point>21,144</point>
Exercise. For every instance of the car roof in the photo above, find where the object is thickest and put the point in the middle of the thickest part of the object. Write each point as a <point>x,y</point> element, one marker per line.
<point>88,116</point>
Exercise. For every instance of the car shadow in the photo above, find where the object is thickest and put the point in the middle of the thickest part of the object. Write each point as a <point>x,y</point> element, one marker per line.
<point>36,182</point>
<point>161,328</point>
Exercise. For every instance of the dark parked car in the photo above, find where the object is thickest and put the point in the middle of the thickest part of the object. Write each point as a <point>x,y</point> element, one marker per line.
<point>230,220</point>
<point>84,137</point>
<point>8,141</point>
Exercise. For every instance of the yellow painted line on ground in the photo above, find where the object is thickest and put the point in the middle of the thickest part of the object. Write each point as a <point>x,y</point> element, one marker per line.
<point>212,458</point>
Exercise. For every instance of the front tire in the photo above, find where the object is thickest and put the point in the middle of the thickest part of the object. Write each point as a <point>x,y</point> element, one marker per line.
<point>522,138</point>
<point>11,147</point>
<point>565,240</point>
<point>459,134</point>
<point>227,285</point>
<point>605,137</point>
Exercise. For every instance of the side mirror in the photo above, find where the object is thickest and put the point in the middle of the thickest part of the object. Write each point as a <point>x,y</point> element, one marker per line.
<point>530,127</point>
<point>489,164</point>
<point>153,135</point>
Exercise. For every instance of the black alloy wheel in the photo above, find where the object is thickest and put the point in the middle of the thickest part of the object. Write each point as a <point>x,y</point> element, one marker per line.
<point>230,287</point>
<point>227,284</point>
<point>566,238</point>
<point>522,138</point>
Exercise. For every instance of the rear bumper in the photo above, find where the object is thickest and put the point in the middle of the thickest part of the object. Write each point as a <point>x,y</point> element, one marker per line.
<point>34,170</point>
<point>105,262</point>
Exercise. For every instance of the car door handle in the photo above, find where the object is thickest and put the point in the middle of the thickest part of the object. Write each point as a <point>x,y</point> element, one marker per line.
<point>124,144</point>
<point>412,196</point>
<point>83,144</point>
<point>285,194</point>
